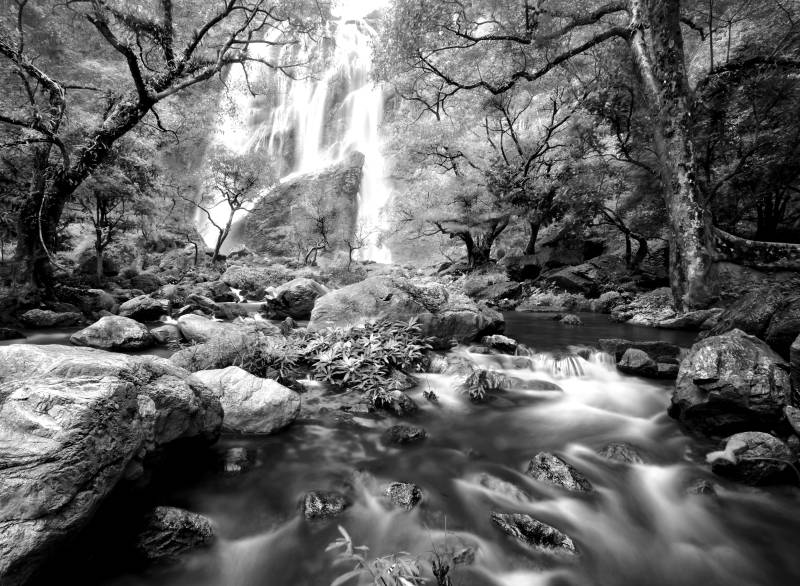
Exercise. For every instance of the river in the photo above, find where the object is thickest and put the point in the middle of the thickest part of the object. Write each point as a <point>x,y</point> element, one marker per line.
<point>638,527</point>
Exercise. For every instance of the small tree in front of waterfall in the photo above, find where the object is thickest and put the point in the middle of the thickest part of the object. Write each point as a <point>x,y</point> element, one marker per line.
<point>356,241</point>
<point>235,181</point>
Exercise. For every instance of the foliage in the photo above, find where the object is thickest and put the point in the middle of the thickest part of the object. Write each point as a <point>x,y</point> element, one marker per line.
<point>272,357</point>
<point>482,382</point>
<point>397,569</point>
<point>553,297</point>
<point>364,358</point>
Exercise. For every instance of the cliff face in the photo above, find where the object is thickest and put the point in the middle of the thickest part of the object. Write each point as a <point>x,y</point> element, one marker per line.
<point>285,222</point>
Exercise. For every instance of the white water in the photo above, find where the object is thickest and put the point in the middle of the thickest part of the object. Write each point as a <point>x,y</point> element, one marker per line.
<point>311,125</point>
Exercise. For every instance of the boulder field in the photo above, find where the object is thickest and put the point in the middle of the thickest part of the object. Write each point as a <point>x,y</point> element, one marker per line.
<point>73,423</point>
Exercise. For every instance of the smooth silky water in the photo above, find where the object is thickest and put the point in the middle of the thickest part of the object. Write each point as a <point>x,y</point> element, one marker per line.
<point>639,526</point>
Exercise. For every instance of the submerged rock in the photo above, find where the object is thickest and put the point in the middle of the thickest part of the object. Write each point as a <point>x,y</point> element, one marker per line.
<point>10,334</point>
<point>251,404</point>
<point>622,452</point>
<point>171,532</point>
<point>323,504</point>
<point>404,495</point>
<point>571,320</point>
<point>481,383</point>
<point>751,457</point>
<point>549,468</point>
<point>701,487</point>
<point>534,533</point>
<point>397,402</point>
<point>114,332</point>
<point>236,460</point>
<point>500,343</point>
<point>443,315</point>
<point>637,362</point>
<point>404,434</point>
<point>730,383</point>
<point>503,487</point>
<point>73,422</point>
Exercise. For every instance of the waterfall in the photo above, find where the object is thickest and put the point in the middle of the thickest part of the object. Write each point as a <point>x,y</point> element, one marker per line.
<point>314,122</point>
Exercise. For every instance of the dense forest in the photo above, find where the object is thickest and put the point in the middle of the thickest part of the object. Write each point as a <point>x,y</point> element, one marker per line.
<point>242,241</point>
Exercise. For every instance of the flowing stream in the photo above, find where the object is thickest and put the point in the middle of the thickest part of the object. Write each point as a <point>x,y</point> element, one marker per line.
<point>639,526</point>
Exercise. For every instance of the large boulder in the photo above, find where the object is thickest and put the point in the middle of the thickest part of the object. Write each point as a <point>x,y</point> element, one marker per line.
<point>444,315</point>
<point>729,383</point>
<point>144,308</point>
<point>251,404</point>
<point>46,318</point>
<point>170,532</point>
<point>197,328</point>
<point>114,332</point>
<point>73,422</point>
<point>784,327</point>
<point>294,299</point>
<point>751,457</point>
<point>285,215</point>
<point>252,281</point>
<point>589,278</point>
<point>648,309</point>
<point>491,287</point>
<point>771,314</point>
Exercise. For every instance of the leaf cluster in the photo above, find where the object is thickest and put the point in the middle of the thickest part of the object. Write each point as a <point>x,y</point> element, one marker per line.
<point>397,569</point>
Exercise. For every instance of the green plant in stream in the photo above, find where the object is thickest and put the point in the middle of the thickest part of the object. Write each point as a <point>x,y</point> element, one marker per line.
<point>275,357</point>
<point>397,569</point>
<point>367,358</point>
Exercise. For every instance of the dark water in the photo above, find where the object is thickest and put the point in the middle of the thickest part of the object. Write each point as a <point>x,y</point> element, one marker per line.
<point>542,332</point>
<point>639,527</point>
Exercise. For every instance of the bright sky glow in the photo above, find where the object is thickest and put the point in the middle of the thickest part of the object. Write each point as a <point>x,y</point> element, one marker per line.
<point>354,9</point>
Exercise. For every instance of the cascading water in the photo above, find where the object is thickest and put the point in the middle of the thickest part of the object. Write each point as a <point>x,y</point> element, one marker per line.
<point>639,525</point>
<point>316,121</point>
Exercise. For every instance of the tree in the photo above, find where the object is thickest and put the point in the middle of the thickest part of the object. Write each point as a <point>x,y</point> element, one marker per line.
<point>356,241</point>
<point>439,51</point>
<point>235,181</point>
<point>166,49</point>
<point>105,200</point>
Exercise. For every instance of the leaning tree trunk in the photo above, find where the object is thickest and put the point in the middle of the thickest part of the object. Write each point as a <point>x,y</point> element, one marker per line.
<point>657,46</point>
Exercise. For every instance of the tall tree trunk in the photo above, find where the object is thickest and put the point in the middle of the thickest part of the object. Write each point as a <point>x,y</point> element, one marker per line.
<point>99,265</point>
<point>641,253</point>
<point>657,47</point>
<point>531,246</point>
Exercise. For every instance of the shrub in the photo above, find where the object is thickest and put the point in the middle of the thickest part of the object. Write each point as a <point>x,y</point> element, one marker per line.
<point>365,358</point>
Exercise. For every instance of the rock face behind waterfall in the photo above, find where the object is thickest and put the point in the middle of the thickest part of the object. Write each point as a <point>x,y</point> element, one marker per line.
<point>73,422</point>
<point>444,316</point>
<point>285,217</point>
<point>729,383</point>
